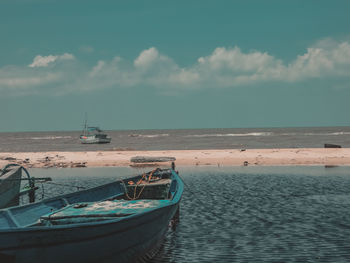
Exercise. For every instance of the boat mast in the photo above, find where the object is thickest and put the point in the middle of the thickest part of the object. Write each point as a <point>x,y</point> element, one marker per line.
<point>85,125</point>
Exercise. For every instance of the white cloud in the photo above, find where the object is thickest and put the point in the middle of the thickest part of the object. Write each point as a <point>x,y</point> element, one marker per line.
<point>321,61</point>
<point>44,61</point>
<point>28,81</point>
<point>223,68</point>
<point>23,81</point>
<point>236,61</point>
<point>98,68</point>
<point>147,57</point>
<point>151,60</point>
<point>184,77</point>
<point>232,67</point>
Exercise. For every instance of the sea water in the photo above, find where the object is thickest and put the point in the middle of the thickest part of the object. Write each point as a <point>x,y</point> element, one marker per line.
<point>256,138</point>
<point>243,214</point>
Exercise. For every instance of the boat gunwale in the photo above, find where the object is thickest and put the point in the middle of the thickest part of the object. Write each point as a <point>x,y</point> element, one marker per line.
<point>173,201</point>
<point>11,171</point>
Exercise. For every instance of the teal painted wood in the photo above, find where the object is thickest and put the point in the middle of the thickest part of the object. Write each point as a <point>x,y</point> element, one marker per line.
<point>10,186</point>
<point>119,239</point>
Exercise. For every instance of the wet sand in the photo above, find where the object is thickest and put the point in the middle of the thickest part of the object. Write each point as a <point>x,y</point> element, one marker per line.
<point>228,157</point>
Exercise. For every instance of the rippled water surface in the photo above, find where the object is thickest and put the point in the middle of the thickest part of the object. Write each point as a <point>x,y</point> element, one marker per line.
<point>246,214</point>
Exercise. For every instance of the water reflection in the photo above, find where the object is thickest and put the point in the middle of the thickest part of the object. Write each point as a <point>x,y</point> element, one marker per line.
<point>262,214</point>
<point>246,214</point>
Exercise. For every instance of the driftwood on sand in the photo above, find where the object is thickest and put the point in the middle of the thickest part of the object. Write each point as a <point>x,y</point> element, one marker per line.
<point>329,145</point>
<point>151,159</point>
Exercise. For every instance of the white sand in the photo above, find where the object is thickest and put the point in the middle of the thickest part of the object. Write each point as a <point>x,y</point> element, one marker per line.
<point>228,157</point>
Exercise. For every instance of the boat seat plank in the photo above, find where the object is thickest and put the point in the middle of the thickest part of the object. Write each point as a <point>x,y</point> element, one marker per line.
<point>97,211</point>
<point>30,214</point>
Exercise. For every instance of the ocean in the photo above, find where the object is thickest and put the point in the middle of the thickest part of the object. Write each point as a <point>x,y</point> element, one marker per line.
<point>227,214</point>
<point>243,214</point>
<point>238,138</point>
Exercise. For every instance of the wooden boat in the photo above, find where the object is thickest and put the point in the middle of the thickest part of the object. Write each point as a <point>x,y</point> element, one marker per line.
<point>116,222</point>
<point>10,182</point>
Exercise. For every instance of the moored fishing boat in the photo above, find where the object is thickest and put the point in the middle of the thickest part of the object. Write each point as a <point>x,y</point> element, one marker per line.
<point>92,135</point>
<point>117,222</point>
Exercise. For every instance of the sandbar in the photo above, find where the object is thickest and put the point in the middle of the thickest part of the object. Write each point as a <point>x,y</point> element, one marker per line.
<point>225,157</point>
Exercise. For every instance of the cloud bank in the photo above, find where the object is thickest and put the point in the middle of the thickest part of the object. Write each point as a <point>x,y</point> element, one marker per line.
<point>223,68</point>
<point>44,61</point>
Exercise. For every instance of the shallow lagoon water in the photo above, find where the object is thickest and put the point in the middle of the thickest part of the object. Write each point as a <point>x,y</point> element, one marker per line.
<point>244,214</point>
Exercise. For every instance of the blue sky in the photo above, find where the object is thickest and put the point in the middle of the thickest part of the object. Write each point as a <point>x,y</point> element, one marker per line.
<point>174,64</point>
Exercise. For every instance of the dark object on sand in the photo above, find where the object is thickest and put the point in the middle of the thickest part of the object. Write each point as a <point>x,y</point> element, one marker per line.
<point>143,165</point>
<point>10,159</point>
<point>330,166</point>
<point>146,159</point>
<point>328,145</point>
<point>122,221</point>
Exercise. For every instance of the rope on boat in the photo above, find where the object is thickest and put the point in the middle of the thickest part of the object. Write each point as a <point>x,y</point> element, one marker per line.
<point>137,184</point>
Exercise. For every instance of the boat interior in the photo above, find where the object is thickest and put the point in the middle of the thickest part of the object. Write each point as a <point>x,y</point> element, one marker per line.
<point>110,201</point>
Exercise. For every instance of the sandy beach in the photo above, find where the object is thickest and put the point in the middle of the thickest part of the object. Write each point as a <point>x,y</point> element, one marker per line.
<point>228,157</point>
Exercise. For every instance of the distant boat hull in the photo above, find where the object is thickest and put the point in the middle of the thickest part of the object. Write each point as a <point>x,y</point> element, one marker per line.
<point>93,139</point>
<point>10,183</point>
<point>123,239</point>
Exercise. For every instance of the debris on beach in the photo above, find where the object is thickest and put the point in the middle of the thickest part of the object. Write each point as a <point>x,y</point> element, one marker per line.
<point>9,159</point>
<point>329,145</point>
<point>76,165</point>
<point>151,159</point>
<point>45,162</point>
<point>142,165</point>
<point>45,159</point>
<point>120,149</point>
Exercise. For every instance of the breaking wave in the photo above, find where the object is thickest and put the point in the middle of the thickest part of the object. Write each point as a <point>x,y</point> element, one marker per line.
<point>316,133</point>
<point>231,134</point>
<point>149,135</point>
<point>50,137</point>
<point>268,134</point>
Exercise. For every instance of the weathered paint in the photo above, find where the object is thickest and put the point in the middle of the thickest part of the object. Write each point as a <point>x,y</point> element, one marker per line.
<point>9,186</point>
<point>120,239</point>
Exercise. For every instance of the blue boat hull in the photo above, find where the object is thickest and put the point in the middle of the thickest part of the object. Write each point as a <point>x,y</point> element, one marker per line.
<point>120,240</point>
<point>123,241</point>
